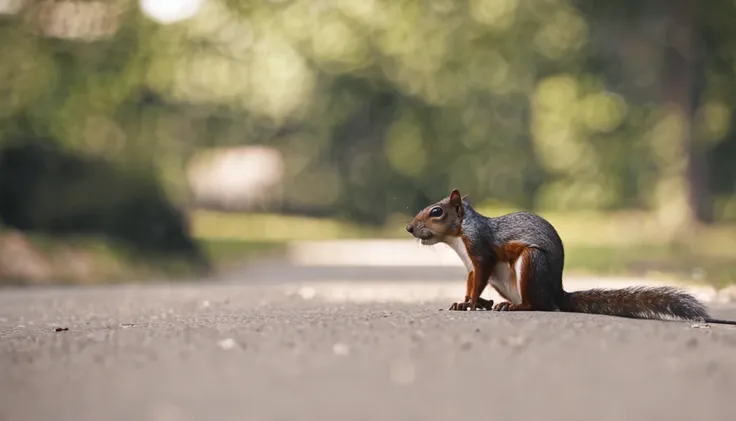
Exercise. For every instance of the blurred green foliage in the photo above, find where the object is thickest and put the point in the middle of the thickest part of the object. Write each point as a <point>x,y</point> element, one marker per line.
<point>381,106</point>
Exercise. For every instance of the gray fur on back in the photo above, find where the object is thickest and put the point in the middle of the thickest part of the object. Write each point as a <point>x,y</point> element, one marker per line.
<point>486,232</point>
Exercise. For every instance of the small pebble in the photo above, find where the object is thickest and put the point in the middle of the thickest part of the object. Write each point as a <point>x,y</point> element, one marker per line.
<point>340,349</point>
<point>226,344</point>
<point>307,293</point>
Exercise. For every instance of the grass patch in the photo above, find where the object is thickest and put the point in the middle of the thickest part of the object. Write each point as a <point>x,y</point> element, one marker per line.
<point>227,252</point>
<point>27,259</point>
<point>652,261</point>
<point>271,228</point>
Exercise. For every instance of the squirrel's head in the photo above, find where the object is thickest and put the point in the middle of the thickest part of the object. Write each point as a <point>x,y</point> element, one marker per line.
<point>440,221</point>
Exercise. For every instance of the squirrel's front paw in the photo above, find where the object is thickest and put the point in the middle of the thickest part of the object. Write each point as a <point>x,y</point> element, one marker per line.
<point>481,304</point>
<point>460,306</point>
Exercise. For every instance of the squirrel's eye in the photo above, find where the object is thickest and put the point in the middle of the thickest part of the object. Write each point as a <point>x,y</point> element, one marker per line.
<point>435,212</point>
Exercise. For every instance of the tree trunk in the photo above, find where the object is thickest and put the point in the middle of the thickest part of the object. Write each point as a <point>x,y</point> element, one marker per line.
<point>681,91</point>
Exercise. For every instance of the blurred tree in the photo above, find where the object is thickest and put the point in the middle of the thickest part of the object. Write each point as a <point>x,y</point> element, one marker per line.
<point>44,188</point>
<point>380,106</point>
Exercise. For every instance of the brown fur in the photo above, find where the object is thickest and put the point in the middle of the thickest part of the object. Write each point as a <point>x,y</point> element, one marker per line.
<point>510,251</point>
<point>480,281</point>
<point>427,226</point>
<point>465,305</point>
<point>469,286</point>
<point>525,282</point>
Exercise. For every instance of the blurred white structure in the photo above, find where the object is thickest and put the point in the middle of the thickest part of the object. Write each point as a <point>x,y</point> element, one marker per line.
<point>378,252</point>
<point>170,11</point>
<point>9,7</point>
<point>237,179</point>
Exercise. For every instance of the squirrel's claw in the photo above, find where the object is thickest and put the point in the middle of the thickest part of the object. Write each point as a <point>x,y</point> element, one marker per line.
<point>459,306</point>
<point>504,306</point>
<point>465,306</point>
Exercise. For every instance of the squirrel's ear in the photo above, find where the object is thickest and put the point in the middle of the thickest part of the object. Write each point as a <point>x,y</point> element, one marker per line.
<point>455,199</point>
<point>466,199</point>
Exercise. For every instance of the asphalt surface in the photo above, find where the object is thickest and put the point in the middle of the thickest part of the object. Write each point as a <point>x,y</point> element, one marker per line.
<point>249,351</point>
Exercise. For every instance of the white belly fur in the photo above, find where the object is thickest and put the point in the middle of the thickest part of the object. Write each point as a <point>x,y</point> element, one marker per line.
<point>456,243</point>
<point>502,278</point>
<point>504,281</point>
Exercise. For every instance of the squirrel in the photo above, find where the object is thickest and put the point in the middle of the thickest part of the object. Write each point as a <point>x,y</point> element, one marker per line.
<point>522,256</point>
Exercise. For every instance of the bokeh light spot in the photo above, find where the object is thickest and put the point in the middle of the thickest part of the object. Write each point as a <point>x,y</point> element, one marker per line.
<point>170,11</point>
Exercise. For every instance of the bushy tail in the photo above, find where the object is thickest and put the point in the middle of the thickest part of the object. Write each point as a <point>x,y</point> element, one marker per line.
<point>662,303</point>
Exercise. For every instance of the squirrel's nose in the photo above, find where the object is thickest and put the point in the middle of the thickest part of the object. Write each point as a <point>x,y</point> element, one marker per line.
<point>410,229</point>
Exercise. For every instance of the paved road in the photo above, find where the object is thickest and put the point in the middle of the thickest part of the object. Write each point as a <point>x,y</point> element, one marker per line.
<point>251,352</point>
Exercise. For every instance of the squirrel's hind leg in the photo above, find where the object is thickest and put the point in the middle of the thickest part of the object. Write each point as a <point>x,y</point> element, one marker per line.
<point>532,274</point>
<point>508,306</point>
